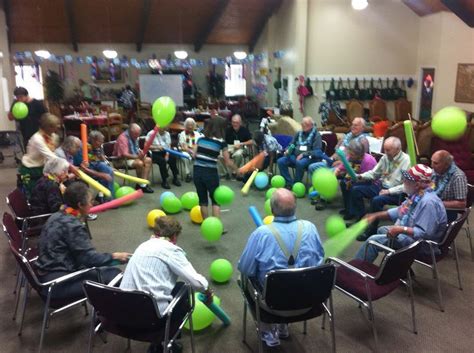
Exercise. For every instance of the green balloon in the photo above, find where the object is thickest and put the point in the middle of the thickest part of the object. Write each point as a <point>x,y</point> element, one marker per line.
<point>211,229</point>
<point>123,191</point>
<point>163,111</point>
<point>270,192</point>
<point>336,245</point>
<point>20,110</point>
<point>299,189</point>
<point>449,123</point>
<point>268,208</point>
<point>171,204</point>
<point>189,200</point>
<point>202,316</point>
<point>335,225</point>
<point>224,195</point>
<point>278,181</point>
<point>325,183</point>
<point>221,270</point>
<point>116,186</point>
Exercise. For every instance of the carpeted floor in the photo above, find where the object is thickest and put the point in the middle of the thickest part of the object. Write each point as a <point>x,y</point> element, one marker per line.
<point>124,229</point>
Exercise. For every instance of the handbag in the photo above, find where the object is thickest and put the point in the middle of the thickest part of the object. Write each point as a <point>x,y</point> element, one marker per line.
<point>331,92</point>
<point>344,91</point>
<point>356,91</point>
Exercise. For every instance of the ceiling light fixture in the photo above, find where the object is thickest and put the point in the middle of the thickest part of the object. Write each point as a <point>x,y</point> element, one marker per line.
<point>359,4</point>
<point>240,55</point>
<point>43,54</point>
<point>110,54</point>
<point>181,54</point>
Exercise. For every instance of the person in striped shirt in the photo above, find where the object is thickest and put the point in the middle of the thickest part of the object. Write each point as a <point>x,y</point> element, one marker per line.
<point>206,176</point>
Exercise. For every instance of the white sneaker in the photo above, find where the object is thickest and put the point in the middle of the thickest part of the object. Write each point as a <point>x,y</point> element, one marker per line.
<point>92,217</point>
<point>270,338</point>
<point>283,331</point>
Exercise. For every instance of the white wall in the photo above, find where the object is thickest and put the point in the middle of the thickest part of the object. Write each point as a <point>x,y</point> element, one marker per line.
<point>5,71</point>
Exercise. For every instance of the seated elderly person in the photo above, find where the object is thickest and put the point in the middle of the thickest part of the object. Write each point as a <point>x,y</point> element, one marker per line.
<point>47,195</point>
<point>237,138</point>
<point>65,247</point>
<point>40,148</point>
<point>263,252</point>
<point>303,150</point>
<point>361,162</point>
<point>162,158</point>
<point>421,216</point>
<point>126,147</point>
<point>69,148</point>
<point>187,141</point>
<point>98,166</point>
<point>386,185</point>
<point>357,133</point>
<point>156,265</point>
<point>450,183</point>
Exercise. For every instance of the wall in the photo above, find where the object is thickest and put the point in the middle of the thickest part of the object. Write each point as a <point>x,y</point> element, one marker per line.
<point>5,72</point>
<point>76,71</point>
<point>444,42</point>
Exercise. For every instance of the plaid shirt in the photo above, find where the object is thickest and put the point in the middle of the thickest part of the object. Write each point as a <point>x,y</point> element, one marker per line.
<point>456,189</point>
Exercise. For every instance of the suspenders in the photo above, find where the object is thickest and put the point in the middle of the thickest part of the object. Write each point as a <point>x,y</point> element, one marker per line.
<point>296,248</point>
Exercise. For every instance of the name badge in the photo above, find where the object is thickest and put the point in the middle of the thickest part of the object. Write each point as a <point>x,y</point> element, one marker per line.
<point>236,142</point>
<point>303,148</point>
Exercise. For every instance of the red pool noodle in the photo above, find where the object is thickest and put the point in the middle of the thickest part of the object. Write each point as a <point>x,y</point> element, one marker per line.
<point>117,202</point>
<point>149,142</point>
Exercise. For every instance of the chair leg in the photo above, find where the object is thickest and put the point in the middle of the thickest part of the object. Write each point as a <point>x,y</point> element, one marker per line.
<point>23,308</point>
<point>412,302</point>
<point>19,286</point>
<point>45,321</point>
<point>305,324</point>
<point>372,321</point>
<point>438,284</point>
<point>259,329</point>
<point>244,323</point>
<point>91,332</point>
<point>468,234</point>
<point>129,345</point>
<point>333,327</point>
<point>86,311</point>
<point>456,258</point>
<point>323,323</point>
<point>191,332</point>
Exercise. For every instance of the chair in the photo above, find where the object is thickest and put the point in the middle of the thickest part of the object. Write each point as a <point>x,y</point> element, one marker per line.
<point>115,161</point>
<point>354,109</point>
<point>290,295</point>
<point>424,136</point>
<point>117,309</point>
<point>377,107</point>
<point>469,202</point>
<point>397,130</point>
<point>51,306</point>
<point>431,260</point>
<point>402,109</point>
<point>115,126</point>
<point>366,282</point>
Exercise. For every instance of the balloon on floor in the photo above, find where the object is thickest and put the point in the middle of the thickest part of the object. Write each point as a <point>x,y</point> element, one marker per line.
<point>325,183</point>
<point>195,215</point>
<point>211,229</point>
<point>221,270</point>
<point>152,216</point>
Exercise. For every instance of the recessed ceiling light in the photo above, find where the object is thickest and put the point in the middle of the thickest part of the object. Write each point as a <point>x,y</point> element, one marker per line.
<point>359,4</point>
<point>43,53</point>
<point>241,55</point>
<point>181,54</point>
<point>110,54</point>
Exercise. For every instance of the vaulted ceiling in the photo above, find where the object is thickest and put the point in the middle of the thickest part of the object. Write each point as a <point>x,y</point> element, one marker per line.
<point>464,9</point>
<point>196,22</point>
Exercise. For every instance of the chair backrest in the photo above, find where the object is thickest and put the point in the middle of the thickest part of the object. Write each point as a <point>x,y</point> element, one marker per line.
<point>378,107</point>
<point>26,269</point>
<point>299,288</point>
<point>122,307</point>
<point>452,231</point>
<point>283,140</point>
<point>402,109</point>
<point>18,203</point>
<point>11,230</point>
<point>354,109</point>
<point>396,265</point>
<point>108,148</point>
<point>470,195</point>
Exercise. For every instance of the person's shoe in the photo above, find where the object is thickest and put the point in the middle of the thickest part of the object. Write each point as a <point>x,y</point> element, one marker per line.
<point>270,338</point>
<point>189,178</point>
<point>176,181</point>
<point>91,217</point>
<point>321,205</point>
<point>314,202</point>
<point>283,331</point>
<point>165,185</point>
<point>343,212</point>
<point>363,237</point>
<point>148,190</point>
<point>137,187</point>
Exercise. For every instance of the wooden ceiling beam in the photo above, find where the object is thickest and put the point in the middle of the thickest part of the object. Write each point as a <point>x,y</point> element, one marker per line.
<point>207,30</point>
<point>270,10</point>
<point>143,23</point>
<point>71,23</point>
<point>461,9</point>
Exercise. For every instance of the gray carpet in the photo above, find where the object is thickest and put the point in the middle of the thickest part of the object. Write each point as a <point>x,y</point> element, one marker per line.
<point>124,229</point>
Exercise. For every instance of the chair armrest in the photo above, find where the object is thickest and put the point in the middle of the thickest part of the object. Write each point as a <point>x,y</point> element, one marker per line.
<point>68,277</point>
<point>247,286</point>
<point>350,267</point>
<point>458,210</point>
<point>182,292</point>
<point>39,216</point>
<point>116,280</point>
<point>380,246</point>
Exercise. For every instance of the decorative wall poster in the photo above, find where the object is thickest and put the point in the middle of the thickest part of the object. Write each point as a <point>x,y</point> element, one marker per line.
<point>465,84</point>
<point>427,88</point>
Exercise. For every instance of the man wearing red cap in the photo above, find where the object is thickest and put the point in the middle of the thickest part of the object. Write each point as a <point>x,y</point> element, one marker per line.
<point>421,216</point>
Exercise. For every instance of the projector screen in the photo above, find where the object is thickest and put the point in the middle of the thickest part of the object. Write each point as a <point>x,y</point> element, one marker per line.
<point>156,86</point>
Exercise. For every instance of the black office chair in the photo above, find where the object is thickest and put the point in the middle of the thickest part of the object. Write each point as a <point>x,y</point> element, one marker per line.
<point>134,314</point>
<point>290,295</point>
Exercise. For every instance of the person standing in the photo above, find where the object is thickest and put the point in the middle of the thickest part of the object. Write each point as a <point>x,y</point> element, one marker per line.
<point>187,140</point>
<point>30,125</point>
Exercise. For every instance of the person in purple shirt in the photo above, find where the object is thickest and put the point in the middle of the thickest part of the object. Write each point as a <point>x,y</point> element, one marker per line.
<point>263,252</point>
<point>421,216</point>
<point>360,162</point>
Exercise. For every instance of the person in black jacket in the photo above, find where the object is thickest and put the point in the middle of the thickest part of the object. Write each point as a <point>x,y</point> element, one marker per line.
<point>65,247</point>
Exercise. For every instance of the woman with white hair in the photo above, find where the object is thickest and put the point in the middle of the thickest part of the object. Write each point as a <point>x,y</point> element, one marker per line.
<point>47,195</point>
<point>187,141</point>
<point>69,148</point>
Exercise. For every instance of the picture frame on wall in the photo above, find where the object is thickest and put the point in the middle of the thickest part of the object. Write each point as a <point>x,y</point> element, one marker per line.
<point>106,72</point>
<point>426,93</point>
<point>464,84</point>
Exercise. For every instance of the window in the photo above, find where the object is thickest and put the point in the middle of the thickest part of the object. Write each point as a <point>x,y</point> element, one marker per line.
<point>26,76</point>
<point>235,84</point>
